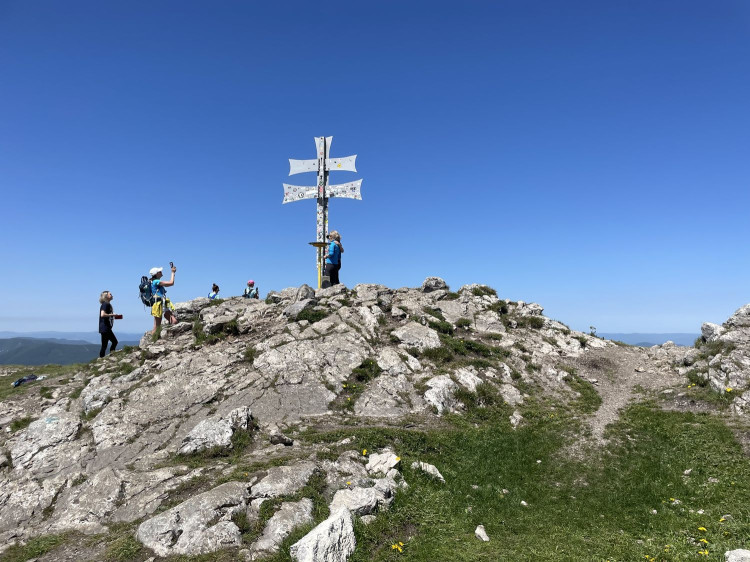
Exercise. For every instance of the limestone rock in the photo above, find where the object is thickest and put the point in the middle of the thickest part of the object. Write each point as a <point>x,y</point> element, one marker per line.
<point>381,463</point>
<point>737,555</point>
<point>441,393</point>
<point>468,379</point>
<point>360,501</point>
<point>284,480</point>
<point>331,541</point>
<point>216,432</point>
<point>428,469</point>
<point>199,525</point>
<point>46,446</point>
<point>416,335</point>
<point>433,284</point>
<point>289,516</point>
<point>711,332</point>
<point>481,534</point>
<point>740,319</point>
<point>294,309</point>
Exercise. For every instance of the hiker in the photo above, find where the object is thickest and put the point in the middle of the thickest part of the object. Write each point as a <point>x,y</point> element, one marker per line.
<point>162,305</point>
<point>106,321</point>
<point>333,257</point>
<point>214,292</point>
<point>337,239</point>
<point>251,291</point>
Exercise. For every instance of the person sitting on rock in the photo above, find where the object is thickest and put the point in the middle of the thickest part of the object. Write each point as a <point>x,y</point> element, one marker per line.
<point>251,291</point>
<point>214,291</point>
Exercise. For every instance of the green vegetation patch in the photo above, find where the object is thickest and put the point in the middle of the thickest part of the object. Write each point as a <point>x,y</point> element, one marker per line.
<point>34,548</point>
<point>312,315</point>
<point>21,423</point>
<point>588,400</point>
<point>593,508</point>
<point>483,290</point>
<point>530,322</point>
<point>355,384</point>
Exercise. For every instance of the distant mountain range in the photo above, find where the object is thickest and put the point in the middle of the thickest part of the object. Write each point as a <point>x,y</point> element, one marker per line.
<point>647,340</point>
<point>59,351</point>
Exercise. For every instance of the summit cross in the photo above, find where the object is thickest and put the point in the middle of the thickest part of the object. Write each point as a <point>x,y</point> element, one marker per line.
<point>323,164</point>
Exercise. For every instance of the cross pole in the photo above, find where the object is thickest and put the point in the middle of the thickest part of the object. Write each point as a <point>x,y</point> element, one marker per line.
<point>323,164</point>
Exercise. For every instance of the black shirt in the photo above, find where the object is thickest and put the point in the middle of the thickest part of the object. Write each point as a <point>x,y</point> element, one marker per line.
<point>105,324</point>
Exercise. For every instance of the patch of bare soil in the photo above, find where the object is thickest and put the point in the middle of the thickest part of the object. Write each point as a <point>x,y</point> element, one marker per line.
<point>621,374</point>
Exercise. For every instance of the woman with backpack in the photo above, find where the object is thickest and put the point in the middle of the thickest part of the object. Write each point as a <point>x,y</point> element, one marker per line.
<point>162,305</point>
<point>106,321</point>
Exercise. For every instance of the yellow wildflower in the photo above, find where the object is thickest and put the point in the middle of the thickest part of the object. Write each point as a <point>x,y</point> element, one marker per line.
<point>702,529</point>
<point>703,552</point>
<point>400,543</point>
<point>722,520</point>
<point>364,452</point>
<point>398,458</point>
<point>729,389</point>
<point>348,483</point>
<point>704,541</point>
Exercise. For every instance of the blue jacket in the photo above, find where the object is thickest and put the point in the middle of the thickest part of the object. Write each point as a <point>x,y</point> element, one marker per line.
<point>334,254</point>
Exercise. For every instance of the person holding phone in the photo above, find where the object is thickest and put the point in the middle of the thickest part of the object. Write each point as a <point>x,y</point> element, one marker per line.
<point>162,305</point>
<point>106,322</point>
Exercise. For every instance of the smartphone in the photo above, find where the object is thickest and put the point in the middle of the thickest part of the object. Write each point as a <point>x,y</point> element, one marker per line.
<point>118,316</point>
<point>171,264</point>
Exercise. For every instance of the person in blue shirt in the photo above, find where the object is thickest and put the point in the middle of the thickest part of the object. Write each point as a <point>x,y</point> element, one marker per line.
<point>162,305</point>
<point>214,292</point>
<point>333,257</point>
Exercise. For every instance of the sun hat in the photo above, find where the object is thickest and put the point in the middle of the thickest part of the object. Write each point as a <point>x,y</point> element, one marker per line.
<point>251,282</point>
<point>154,270</point>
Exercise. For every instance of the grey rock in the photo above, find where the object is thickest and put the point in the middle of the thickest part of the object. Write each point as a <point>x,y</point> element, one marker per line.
<point>296,294</point>
<point>428,469</point>
<point>416,335</point>
<point>711,332</point>
<point>441,393</point>
<point>481,534</point>
<point>381,463</point>
<point>468,379</point>
<point>433,284</point>
<point>737,555</point>
<point>294,309</point>
<point>388,397</point>
<point>360,501</point>
<point>216,431</point>
<point>331,541</point>
<point>284,480</point>
<point>278,438</point>
<point>199,525</point>
<point>280,525</point>
<point>740,319</point>
<point>46,445</point>
<point>511,395</point>
<point>515,419</point>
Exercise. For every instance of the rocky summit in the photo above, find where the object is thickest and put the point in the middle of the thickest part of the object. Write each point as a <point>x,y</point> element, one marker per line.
<point>201,439</point>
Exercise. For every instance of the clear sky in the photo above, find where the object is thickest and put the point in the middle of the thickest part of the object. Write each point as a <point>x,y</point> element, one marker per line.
<point>590,156</point>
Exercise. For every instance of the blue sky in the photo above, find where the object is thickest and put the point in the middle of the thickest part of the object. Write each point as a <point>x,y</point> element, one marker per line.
<point>590,156</point>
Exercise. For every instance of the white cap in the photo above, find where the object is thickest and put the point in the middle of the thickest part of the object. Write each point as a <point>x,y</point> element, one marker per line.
<point>154,270</point>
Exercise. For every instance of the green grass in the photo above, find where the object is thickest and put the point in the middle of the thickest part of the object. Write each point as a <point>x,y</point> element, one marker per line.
<point>483,290</point>
<point>595,508</point>
<point>312,315</point>
<point>34,548</point>
<point>588,400</point>
<point>355,384</point>
<point>530,322</point>
<point>21,423</point>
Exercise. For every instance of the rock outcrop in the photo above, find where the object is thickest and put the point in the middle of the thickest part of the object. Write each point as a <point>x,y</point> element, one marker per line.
<point>237,379</point>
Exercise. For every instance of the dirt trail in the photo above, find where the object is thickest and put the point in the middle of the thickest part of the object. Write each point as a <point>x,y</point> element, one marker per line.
<point>618,371</point>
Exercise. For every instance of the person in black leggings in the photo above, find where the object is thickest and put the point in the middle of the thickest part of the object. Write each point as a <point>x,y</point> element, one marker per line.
<point>106,321</point>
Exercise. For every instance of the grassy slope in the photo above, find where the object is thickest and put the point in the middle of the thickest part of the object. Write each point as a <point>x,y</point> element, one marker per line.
<point>596,508</point>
